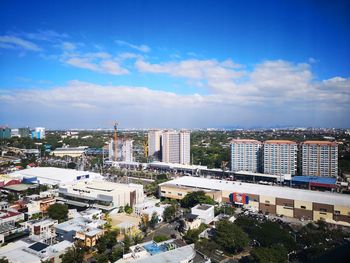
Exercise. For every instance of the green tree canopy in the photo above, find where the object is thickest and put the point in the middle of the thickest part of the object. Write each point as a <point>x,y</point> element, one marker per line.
<point>230,237</point>
<point>58,211</point>
<point>154,220</point>
<point>268,255</point>
<point>73,255</point>
<point>169,213</point>
<point>197,197</point>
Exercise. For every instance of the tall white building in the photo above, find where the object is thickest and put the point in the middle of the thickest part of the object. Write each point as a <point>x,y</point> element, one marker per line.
<point>38,133</point>
<point>176,147</point>
<point>154,144</point>
<point>319,158</point>
<point>280,157</point>
<point>125,150</point>
<point>245,155</point>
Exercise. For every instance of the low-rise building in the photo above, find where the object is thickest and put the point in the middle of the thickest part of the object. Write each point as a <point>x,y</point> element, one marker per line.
<point>204,212</point>
<point>30,251</point>
<point>39,205</point>
<point>69,151</point>
<point>10,217</point>
<point>101,194</point>
<point>81,228</point>
<point>44,229</point>
<point>298,203</point>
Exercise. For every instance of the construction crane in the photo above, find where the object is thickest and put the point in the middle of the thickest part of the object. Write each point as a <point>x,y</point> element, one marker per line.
<point>115,141</point>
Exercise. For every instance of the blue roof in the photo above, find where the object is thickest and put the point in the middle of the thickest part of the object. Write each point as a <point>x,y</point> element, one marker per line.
<point>314,179</point>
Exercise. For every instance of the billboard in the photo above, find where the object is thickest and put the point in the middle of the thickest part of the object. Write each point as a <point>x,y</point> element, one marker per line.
<point>239,198</point>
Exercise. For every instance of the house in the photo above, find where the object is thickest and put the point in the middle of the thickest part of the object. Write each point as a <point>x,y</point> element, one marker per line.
<point>204,212</point>
<point>39,205</point>
<point>81,228</point>
<point>10,217</point>
<point>44,228</point>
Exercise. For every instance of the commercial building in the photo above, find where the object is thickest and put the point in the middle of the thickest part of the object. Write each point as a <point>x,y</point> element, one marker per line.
<point>38,133</point>
<point>5,133</point>
<point>10,217</point>
<point>245,155</point>
<point>125,150</point>
<point>39,205</point>
<point>101,194</point>
<point>155,144</point>
<point>319,158</point>
<point>69,151</point>
<point>280,157</point>
<point>176,147</point>
<point>314,205</point>
<point>53,176</point>
<point>24,132</point>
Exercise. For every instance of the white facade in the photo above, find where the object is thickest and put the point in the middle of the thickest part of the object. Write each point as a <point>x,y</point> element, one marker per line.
<point>280,157</point>
<point>69,151</point>
<point>125,150</point>
<point>38,133</point>
<point>45,228</point>
<point>204,212</point>
<point>245,155</point>
<point>154,144</point>
<point>101,194</point>
<point>176,147</point>
<point>320,158</point>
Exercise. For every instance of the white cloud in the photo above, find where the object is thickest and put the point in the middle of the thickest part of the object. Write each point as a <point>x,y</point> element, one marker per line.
<point>68,46</point>
<point>142,48</point>
<point>13,42</point>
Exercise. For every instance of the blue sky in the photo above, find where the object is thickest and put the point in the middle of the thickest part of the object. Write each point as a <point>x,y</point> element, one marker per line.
<point>81,64</point>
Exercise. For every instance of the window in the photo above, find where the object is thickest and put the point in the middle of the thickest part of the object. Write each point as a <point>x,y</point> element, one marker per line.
<point>303,207</point>
<point>323,209</point>
<point>179,194</point>
<point>163,192</point>
<point>336,212</point>
<point>267,201</point>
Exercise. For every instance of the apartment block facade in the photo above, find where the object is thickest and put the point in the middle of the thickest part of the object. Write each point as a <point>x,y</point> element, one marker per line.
<point>319,158</point>
<point>280,157</point>
<point>245,155</point>
<point>176,147</point>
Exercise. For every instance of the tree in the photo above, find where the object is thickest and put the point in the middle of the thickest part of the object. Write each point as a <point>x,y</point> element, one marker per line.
<point>73,255</point>
<point>58,211</point>
<point>143,225</point>
<point>169,213</point>
<point>137,239</point>
<point>102,258</point>
<point>116,254</point>
<point>4,260</point>
<point>154,220</point>
<point>192,235</point>
<point>160,238</point>
<point>268,255</point>
<point>128,209</point>
<point>230,237</point>
<point>194,198</point>
<point>127,243</point>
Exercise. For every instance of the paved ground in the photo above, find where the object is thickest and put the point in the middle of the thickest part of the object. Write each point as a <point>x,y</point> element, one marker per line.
<point>164,229</point>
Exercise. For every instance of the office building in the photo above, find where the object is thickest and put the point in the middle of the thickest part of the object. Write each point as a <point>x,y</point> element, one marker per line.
<point>5,133</point>
<point>101,194</point>
<point>124,151</point>
<point>245,155</point>
<point>24,132</point>
<point>155,145</point>
<point>280,157</point>
<point>298,203</point>
<point>176,147</point>
<point>38,133</point>
<point>319,158</point>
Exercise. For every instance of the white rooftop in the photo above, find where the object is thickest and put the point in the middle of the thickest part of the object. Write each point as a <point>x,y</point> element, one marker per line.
<point>53,175</point>
<point>277,191</point>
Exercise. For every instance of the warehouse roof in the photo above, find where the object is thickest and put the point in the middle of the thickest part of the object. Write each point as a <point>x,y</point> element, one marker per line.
<point>276,191</point>
<point>52,175</point>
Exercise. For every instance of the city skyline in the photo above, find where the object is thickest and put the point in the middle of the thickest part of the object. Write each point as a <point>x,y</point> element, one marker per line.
<point>183,64</point>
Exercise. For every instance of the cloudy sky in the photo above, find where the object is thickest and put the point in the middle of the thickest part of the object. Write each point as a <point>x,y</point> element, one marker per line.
<point>191,64</point>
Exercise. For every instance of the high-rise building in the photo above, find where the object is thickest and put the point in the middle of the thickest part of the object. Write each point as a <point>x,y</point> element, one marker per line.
<point>24,132</point>
<point>176,147</point>
<point>155,144</point>
<point>319,158</point>
<point>38,133</point>
<point>280,157</point>
<point>125,150</point>
<point>245,155</point>
<point>5,133</point>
